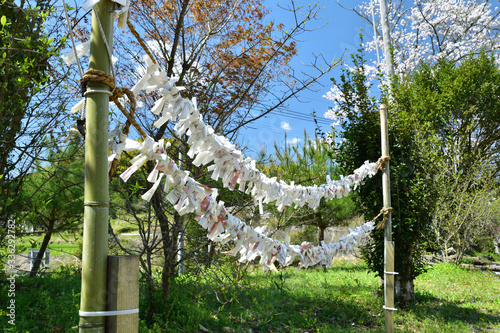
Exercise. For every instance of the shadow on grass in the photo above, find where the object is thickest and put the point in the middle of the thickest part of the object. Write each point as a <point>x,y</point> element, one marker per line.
<point>428,306</point>
<point>337,309</point>
<point>340,299</point>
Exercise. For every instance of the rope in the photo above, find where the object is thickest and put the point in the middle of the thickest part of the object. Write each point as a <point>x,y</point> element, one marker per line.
<point>119,92</point>
<point>141,41</point>
<point>108,49</point>
<point>381,161</point>
<point>384,211</point>
<point>94,75</point>
<point>72,39</point>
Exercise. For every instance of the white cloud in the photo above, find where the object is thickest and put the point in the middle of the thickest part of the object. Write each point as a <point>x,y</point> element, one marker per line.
<point>285,126</point>
<point>293,141</point>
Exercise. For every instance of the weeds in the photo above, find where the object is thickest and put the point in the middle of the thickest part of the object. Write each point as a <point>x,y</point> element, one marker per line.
<point>344,298</point>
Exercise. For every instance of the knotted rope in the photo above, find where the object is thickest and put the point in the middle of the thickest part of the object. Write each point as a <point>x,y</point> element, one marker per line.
<point>94,75</point>
<point>381,161</point>
<point>384,211</point>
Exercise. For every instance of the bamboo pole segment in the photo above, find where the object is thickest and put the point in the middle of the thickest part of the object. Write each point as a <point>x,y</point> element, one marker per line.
<point>386,35</point>
<point>386,177</point>
<point>388,243</point>
<point>95,229</point>
<point>389,286</point>
<point>123,294</point>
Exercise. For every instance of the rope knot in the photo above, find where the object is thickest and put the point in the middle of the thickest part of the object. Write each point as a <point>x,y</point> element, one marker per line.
<point>381,161</point>
<point>384,211</point>
<point>95,75</point>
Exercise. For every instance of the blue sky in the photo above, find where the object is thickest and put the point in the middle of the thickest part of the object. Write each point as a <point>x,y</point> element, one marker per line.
<point>340,35</point>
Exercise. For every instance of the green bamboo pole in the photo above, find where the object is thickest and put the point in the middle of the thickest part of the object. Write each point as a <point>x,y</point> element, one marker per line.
<point>95,229</point>
<point>388,243</point>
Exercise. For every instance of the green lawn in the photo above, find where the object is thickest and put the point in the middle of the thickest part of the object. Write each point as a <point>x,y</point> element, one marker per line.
<point>344,298</point>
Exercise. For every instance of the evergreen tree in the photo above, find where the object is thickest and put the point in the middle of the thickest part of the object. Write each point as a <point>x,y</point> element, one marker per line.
<point>307,164</point>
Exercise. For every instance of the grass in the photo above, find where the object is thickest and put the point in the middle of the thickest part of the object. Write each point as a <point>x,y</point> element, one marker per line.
<point>64,246</point>
<point>455,300</point>
<point>47,303</point>
<point>343,298</point>
<point>67,243</point>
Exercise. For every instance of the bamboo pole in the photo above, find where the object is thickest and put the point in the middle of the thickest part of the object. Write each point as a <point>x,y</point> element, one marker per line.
<point>386,35</point>
<point>95,229</point>
<point>388,243</point>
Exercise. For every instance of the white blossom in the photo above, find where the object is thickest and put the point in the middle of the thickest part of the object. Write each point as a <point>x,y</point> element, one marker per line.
<point>427,30</point>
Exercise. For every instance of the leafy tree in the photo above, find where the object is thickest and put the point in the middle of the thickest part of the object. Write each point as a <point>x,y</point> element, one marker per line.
<point>454,104</point>
<point>441,130</point>
<point>358,113</point>
<point>25,51</point>
<point>454,113</point>
<point>53,195</point>
<point>228,55</point>
<point>30,103</point>
<point>231,59</point>
<point>466,207</point>
<point>307,164</point>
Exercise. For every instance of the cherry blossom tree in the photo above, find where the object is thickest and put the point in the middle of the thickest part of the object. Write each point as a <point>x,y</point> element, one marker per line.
<point>426,31</point>
<point>435,29</point>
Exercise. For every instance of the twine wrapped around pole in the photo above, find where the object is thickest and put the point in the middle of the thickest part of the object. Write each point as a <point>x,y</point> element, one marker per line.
<point>385,212</point>
<point>116,92</point>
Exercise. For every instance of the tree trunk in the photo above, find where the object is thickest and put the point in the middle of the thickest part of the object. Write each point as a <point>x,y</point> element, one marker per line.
<point>321,234</point>
<point>404,291</point>
<point>170,262</point>
<point>45,243</point>
<point>211,254</point>
<point>167,243</point>
<point>496,244</point>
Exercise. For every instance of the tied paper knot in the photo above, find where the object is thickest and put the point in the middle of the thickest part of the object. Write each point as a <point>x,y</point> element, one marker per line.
<point>229,164</point>
<point>384,211</point>
<point>121,12</point>
<point>149,150</point>
<point>71,132</point>
<point>190,196</point>
<point>231,167</point>
<point>116,146</point>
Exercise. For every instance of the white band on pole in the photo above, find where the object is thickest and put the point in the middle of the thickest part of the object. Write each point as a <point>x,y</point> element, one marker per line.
<point>107,313</point>
<point>390,309</point>
<point>97,91</point>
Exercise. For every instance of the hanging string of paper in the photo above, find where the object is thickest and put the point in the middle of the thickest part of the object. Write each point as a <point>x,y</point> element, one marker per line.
<point>234,169</point>
<point>228,163</point>
<point>189,196</point>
